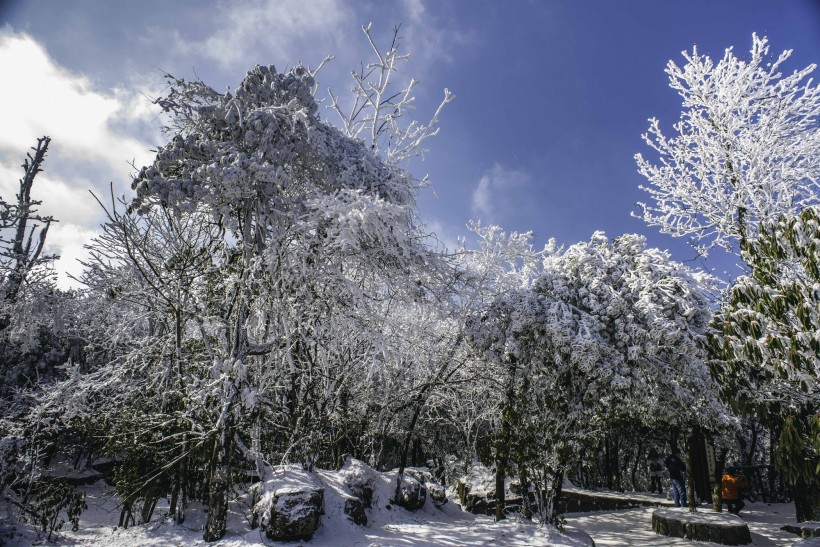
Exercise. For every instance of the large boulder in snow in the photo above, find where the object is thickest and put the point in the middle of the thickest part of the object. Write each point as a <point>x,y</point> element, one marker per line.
<point>478,504</point>
<point>360,479</point>
<point>295,515</point>
<point>291,504</point>
<point>438,494</point>
<point>354,509</point>
<point>476,493</point>
<point>411,493</point>
<point>806,529</point>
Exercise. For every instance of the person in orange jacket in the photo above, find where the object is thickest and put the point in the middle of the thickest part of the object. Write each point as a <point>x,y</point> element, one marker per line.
<point>733,483</point>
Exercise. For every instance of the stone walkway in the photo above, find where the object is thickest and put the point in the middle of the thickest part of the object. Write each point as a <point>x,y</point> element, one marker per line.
<point>633,527</point>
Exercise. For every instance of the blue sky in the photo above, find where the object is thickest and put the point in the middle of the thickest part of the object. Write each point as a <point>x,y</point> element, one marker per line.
<point>551,96</point>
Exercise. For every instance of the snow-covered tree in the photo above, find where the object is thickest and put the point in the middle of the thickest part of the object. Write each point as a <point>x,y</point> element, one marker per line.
<point>652,313</point>
<point>262,268</point>
<point>610,331</point>
<point>319,222</point>
<point>25,273</point>
<point>746,148</point>
<point>768,346</point>
<point>21,254</point>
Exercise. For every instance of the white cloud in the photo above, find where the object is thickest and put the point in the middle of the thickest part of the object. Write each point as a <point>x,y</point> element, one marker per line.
<point>67,240</point>
<point>65,202</point>
<point>42,98</point>
<point>432,38</point>
<point>272,27</point>
<point>498,192</point>
<point>95,134</point>
<point>481,197</point>
<point>415,9</point>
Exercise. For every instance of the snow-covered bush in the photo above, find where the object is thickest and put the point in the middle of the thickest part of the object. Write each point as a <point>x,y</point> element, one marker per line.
<point>610,331</point>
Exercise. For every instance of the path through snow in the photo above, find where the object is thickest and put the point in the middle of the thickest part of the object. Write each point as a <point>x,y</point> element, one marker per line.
<point>396,527</point>
<point>633,527</point>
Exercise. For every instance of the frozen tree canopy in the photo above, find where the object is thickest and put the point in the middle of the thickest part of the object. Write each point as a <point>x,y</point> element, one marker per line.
<point>746,148</point>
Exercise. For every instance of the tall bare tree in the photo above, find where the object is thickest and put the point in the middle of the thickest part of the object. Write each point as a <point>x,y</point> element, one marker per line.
<point>21,237</point>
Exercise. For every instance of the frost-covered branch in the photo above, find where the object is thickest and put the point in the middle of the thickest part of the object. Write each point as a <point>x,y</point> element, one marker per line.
<point>746,148</point>
<point>377,109</point>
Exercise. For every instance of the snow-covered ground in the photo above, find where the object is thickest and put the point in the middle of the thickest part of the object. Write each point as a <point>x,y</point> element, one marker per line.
<point>389,525</point>
<point>633,527</point>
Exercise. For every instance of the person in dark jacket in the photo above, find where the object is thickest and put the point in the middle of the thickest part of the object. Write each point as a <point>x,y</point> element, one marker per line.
<point>677,474</point>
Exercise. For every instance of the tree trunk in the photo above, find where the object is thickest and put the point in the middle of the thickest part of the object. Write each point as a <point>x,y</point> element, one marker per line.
<point>418,403</point>
<point>502,444</point>
<point>172,509</point>
<point>148,506</point>
<point>690,483</point>
<point>804,500</point>
<point>526,506</point>
<point>750,455</point>
<point>673,439</point>
<point>23,256</point>
<point>638,459</point>
<point>501,458</point>
<point>218,486</point>
<point>717,499</point>
<point>615,466</point>
<point>442,375</point>
<point>125,514</point>
<point>773,435</point>
<point>553,497</point>
<point>178,494</point>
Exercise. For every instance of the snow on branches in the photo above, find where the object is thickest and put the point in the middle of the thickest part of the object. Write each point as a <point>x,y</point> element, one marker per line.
<point>625,319</point>
<point>746,149</point>
<point>377,109</point>
<point>263,145</point>
<point>609,333</point>
<point>264,255</point>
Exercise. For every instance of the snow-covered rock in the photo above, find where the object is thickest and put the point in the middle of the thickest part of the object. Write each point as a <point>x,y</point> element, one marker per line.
<point>476,491</point>
<point>411,494</point>
<point>438,494</point>
<point>295,515</point>
<point>354,509</point>
<point>291,505</point>
<point>806,529</point>
<point>360,479</point>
